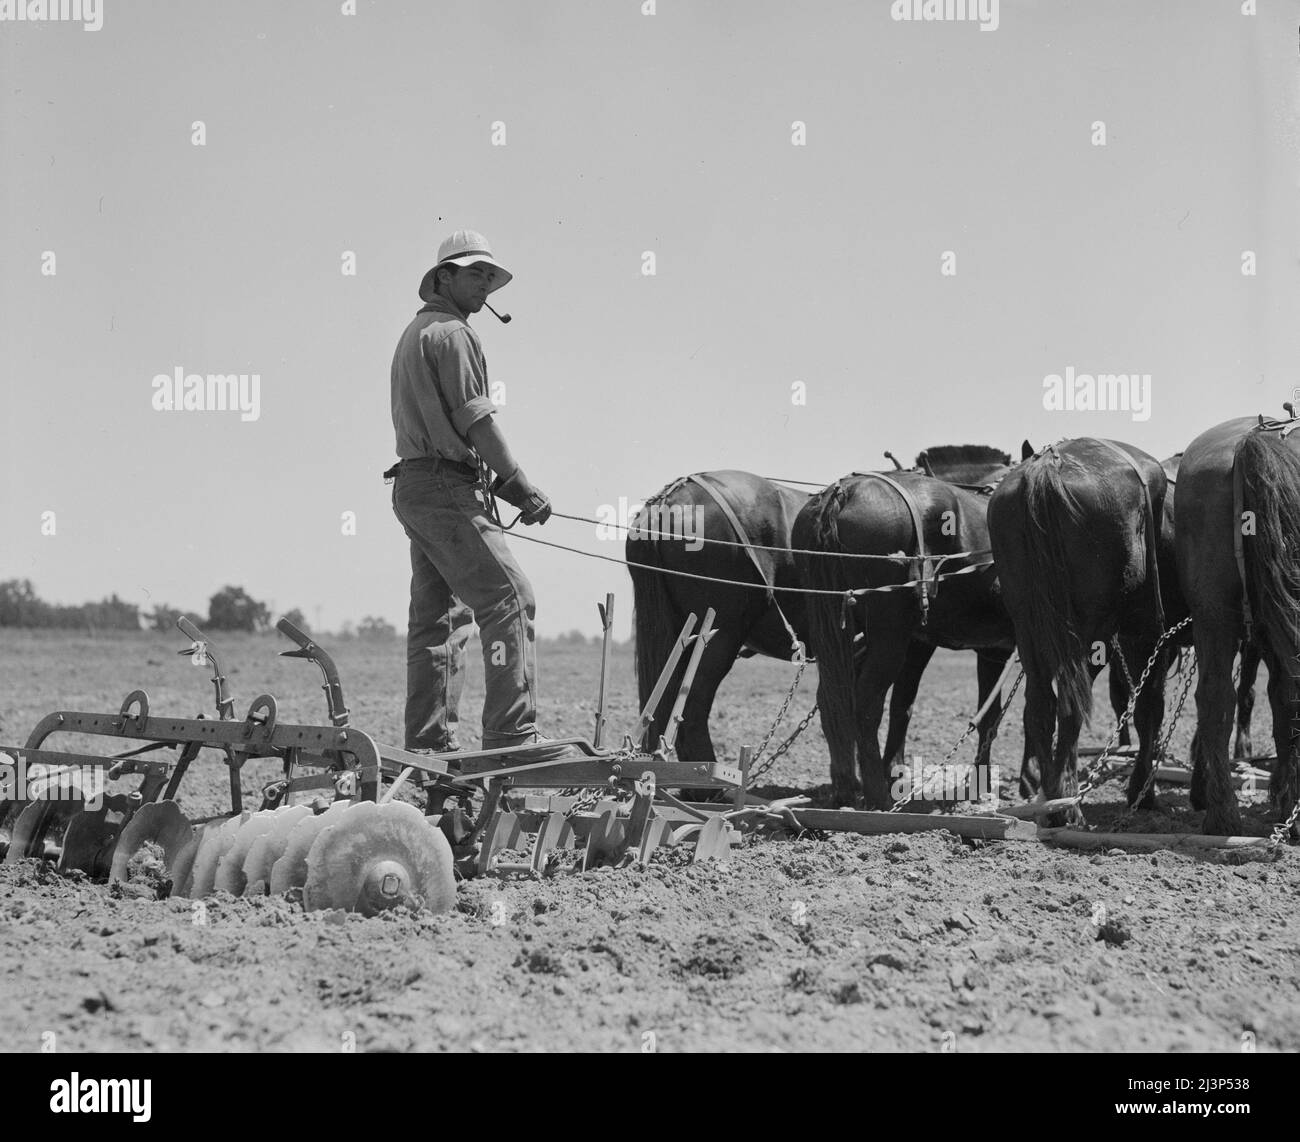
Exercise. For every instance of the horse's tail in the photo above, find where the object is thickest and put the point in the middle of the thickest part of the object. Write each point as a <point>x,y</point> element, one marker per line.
<point>1053,627</point>
<point>656,619</point>
<point>1270,478</point>
<point>831,629</point>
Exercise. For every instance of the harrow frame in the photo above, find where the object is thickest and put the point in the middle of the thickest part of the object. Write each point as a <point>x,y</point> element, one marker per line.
<point>345,762</point>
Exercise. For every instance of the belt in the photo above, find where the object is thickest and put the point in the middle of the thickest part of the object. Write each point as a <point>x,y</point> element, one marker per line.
<point>431,463</point>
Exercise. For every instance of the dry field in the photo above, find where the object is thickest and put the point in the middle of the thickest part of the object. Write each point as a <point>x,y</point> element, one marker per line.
<point>885,943</point>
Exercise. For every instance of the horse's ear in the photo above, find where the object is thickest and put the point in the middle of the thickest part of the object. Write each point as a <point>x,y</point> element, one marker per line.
<point>1026,450</point>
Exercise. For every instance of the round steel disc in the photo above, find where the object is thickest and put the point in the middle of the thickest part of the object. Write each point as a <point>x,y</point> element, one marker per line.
<point>290,870</point>
<point>216,842</point>
<point>181,870</point>
<point>230,870</point>
<point>269,847</point>
<point>88,842</point>
<point>160,822</point>
<point>10,811</point>
<point>378,857</point>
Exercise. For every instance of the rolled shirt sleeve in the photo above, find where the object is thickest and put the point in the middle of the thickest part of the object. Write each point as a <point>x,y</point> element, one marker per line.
<point>461,370</point>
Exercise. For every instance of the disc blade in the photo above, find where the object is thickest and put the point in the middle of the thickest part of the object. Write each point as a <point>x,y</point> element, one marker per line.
<point>60,799</point>
<point>378,857</point>
<point>269,847</point>
<point>161,823</point>
<point>9,814</point>
<point>230,870</point>
<point>290,870</point>
<point>181,870</point>
<point>88,841</point>
<point>216,842</point>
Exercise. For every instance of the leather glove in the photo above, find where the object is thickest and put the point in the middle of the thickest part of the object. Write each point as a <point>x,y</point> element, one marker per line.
<point>517,491</point>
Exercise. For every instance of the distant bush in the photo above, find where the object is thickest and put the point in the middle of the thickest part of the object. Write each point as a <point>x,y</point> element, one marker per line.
<point>163,618</point>
<point>21,607</point>
<point>232,608</point>
<point>375,629</point>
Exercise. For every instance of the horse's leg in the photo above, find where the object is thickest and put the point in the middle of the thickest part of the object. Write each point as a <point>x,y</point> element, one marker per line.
<point>1196,791</point>
<point>1040,717</point>
<point>1242,747</point>
<point>1119,694</point>
<point>1216,647</point>
<point>1062,779</point>
<point>901,699</point>
<point>1285,784</point>
<point>1148,715</point>
<point>694,742</point>
<point>878,671</point>
<point>1031,776</point>
<point>988,669</point>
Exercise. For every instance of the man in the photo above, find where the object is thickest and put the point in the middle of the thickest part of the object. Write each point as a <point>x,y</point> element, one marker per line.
<point>461,569</point>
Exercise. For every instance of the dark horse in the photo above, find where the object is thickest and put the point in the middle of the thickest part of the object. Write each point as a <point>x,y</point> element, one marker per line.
<point>1083,552</point>
<point>1238,515</point>
<point>748,620</point>
<point>898,630</point>
<point>1242,746</point>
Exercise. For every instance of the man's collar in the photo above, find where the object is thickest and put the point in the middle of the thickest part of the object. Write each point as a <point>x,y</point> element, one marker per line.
<point>440,304</point>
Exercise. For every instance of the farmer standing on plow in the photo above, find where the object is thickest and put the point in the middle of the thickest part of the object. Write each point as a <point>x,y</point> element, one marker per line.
<point>461,568</point>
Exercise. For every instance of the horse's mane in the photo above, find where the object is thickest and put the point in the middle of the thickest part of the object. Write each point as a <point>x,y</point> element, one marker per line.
<point>966,465</point>
<point>961,455</point>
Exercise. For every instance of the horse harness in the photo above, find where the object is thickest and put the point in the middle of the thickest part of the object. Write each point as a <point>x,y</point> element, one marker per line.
<point>798,651</point>
<point>922,566</point>
<point>1285,428</point>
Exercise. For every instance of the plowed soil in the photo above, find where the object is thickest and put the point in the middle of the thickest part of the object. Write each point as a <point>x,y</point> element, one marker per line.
<point>921,942</point>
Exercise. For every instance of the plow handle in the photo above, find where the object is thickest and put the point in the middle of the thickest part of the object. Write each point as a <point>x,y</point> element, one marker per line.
<point>307,648</point>
<point>201,646</point>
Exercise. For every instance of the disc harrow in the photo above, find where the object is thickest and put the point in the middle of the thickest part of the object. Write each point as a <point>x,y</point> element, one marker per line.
<point>330,829</point>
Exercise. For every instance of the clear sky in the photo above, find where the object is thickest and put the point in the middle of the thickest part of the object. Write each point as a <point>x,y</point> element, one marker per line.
<point>776,263</point>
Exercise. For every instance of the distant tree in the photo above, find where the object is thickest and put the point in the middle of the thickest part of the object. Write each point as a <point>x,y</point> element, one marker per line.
<point>19,606</point>
<point>299,620</point>
<point>232,608</point>
<point>163,618</point>
<point>346,633</point>
<point>108,614</point>
<point>375,628</point>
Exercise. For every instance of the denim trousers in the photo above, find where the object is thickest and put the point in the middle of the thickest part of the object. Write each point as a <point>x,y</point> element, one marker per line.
<point>462,572</point>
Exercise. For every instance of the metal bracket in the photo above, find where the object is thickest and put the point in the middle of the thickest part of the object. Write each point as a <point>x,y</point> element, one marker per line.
<point>225,703</point>
<point>338,710</point>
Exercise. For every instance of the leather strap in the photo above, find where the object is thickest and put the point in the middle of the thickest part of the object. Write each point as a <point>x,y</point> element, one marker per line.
<point>923,567</point>
<point>1238,546</point>
<point>796,646</point>
<point>1152,536</point>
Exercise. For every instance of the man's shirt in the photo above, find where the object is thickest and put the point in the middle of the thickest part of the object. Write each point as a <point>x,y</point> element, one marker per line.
<point>439,385</point>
